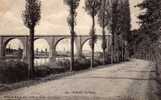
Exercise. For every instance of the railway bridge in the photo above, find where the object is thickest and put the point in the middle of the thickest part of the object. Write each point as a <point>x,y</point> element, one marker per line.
<point>52,40</point>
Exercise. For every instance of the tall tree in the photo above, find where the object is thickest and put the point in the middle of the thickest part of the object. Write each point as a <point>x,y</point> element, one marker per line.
<point>114,15</point>
<point>92,7</point>
<point>123,26</point>
<point>73,5</point>
<point>103,22</point>
<point>119,22</point>
<point>151,20</point>
<point>31,17</point>
<point>146,38</point>
<point>125,23</point>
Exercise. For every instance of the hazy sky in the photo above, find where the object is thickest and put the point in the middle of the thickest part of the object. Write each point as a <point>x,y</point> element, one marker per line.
<point>53,21</point>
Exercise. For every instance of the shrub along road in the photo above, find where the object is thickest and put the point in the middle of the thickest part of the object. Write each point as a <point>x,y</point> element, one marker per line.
<point>133,79</point>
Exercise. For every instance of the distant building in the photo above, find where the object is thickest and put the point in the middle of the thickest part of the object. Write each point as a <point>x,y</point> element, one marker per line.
<point>41,53</point>
<point>18,53</point>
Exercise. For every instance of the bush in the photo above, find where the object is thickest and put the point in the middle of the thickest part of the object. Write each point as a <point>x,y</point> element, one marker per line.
<point>81,63</point>
<point>63,63</point>
<point>42,71</point>
<point>13,71</point>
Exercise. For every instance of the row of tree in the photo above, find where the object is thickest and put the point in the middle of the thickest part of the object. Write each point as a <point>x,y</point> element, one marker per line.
<point>113,15</point>
<point>146,40</point>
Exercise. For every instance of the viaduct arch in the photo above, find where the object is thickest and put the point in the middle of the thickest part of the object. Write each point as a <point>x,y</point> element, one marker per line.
<point>52,40</point>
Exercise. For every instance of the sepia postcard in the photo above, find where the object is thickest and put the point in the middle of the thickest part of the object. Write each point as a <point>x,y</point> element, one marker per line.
<point>80,50</point>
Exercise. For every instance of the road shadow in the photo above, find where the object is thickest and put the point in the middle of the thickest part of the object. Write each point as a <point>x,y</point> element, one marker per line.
<point>141,71</point>
<point>114,78</point>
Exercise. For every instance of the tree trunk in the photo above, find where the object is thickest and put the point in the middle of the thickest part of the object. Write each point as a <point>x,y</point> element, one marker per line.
<point>31,52</point>
<point>157,63</point>
<point>122,51</point>
<point>116,49</point>
<point>72,38</point>
<point>113,48</point>
<point>113,37</point>
<point>104,45</point>
<point>92,59</point>
<point>104,57</point>
<point>72,52</point>
<point>93,41</point>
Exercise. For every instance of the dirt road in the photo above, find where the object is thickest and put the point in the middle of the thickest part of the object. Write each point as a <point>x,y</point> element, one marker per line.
<point>133,79</point>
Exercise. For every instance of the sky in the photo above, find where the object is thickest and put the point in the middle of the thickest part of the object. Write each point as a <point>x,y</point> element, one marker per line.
<point>53,20</point>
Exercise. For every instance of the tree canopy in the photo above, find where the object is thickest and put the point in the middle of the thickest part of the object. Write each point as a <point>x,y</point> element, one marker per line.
<point>150,20</point>
<point>31,15</point>
<point>92,6</point>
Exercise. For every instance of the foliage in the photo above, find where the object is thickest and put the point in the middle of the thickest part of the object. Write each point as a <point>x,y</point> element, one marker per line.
<point>149,32</point>
<point>13,71</point>
<point>125,21</point>
<point>84,63</point>
<point>121,19</point>
<point>92,6</point>
<point>31,15</point>
<point>115,16</point>
<point>73,4</point>
<point>81,63</point>
<point>146,40</point>
<point>151,20</point>
<point>104,14</point>
<point>42,71</point>
<point>63,63</point>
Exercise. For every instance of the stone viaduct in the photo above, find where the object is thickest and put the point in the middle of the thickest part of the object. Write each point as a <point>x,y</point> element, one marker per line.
<point>52,40</point>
